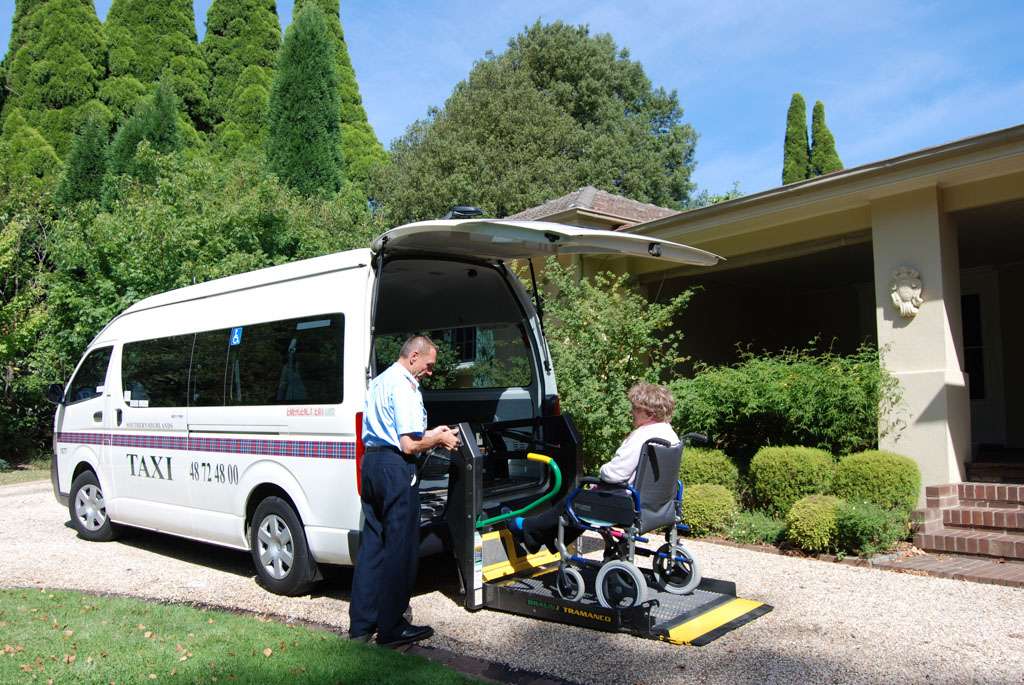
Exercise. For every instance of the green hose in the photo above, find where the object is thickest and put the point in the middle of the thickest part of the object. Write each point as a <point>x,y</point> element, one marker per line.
<point>543,498</point>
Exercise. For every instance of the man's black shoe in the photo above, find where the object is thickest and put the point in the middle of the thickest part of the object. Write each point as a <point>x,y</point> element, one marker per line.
<point>405,636</point>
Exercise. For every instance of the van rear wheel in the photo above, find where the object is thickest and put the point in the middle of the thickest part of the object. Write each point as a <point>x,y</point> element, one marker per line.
<point>279,549</point>
<point>88,509</point>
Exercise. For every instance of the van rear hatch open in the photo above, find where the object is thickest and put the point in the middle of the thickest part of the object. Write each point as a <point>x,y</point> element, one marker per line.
<point>506,239</point>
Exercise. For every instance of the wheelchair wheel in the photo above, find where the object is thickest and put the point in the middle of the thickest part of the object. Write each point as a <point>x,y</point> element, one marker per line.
<point>620,585</point>
<point>676,571</point>
<point>569,584</point>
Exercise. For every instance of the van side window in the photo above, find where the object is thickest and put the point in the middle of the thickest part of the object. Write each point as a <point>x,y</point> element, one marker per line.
<point>91,377</point>
<point>296,361</point>
<point>154,373</point>
<point>209,359</point>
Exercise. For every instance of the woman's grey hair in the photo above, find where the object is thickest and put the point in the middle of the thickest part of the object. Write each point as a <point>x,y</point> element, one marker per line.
<point>417,343</point>
<point>656,400</point>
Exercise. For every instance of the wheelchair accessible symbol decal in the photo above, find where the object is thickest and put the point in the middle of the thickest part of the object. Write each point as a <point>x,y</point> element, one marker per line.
<point>236,336</point>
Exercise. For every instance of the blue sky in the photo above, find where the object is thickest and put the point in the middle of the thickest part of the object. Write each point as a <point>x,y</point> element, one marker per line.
<point>894,76</point>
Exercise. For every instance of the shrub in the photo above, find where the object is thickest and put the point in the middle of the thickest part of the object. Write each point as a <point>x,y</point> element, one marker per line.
<point>781,475</point>
<point>864,528</point>
<point>604,337</point>
<point>889,480</point>
<point>839,403</point>
<point>709,508</point>
<point>709,466</point>
<point>757,528</point>
<point>811,523</point>
<point>4,465</point>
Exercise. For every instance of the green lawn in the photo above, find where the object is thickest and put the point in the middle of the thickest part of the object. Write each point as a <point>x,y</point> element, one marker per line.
<point>55,636</point>
<point>38,469</point>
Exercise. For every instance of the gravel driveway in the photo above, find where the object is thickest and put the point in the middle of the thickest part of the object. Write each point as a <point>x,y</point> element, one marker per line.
<point>831,624</point>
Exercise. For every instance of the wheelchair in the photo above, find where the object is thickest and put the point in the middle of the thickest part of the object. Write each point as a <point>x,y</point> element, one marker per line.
<point>622,515</point>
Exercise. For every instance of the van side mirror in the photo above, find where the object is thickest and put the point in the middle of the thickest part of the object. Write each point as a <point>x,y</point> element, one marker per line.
<point>55,393</point>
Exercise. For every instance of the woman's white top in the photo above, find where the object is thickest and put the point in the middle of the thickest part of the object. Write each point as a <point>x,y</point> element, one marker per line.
<point>622,467</point>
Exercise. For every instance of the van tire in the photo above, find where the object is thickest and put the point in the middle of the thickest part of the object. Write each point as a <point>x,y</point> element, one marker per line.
<point>280,554</point>
<point>88,509</point>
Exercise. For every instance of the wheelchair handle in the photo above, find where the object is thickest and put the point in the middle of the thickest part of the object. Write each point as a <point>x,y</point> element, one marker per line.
<point>695,439</point>
<point>557,472</point>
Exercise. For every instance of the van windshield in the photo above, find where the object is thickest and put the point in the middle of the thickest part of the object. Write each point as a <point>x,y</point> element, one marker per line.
<point>481,356</point>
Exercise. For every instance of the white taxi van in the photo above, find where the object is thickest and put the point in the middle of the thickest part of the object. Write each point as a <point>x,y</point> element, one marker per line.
<point>230,411</point>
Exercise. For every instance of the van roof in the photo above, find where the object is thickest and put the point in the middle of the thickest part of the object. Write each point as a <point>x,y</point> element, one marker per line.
<point>273,274</point>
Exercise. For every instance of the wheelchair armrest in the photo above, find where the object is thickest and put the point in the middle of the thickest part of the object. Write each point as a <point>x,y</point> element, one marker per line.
<point>590,480</point>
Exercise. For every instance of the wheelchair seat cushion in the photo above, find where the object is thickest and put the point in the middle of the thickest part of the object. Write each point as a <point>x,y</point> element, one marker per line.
<point>605,507</point>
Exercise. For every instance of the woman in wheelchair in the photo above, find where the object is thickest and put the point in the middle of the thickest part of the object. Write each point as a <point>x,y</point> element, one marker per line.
<point>638,492</point>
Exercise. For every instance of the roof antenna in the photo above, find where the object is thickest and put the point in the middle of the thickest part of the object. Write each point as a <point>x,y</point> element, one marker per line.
<point>463,212</point>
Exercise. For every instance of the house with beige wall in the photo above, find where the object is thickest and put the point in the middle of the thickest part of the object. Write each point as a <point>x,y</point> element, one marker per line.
<point>921,254</point>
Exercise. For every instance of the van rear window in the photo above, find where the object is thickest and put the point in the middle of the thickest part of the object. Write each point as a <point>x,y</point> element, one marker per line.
<point>484,356</point>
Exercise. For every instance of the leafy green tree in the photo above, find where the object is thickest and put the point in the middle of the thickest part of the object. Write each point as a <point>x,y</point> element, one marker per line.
<point>824,158</point>
<point>796,163</point>
<point>604,337</point>
<point>24,416</point>
<point>60,60</point>
<point>87,164</point>
<point>706,198</point>
<point>241,45</point>
<point>303,143</point>
<point>361,150</point>
<point>146,38</point>
<point>156,122</point>
<point>557,110</point>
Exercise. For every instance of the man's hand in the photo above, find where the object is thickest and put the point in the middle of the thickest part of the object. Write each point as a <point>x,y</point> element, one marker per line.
<point>446,437</point>
<point>442,435</point>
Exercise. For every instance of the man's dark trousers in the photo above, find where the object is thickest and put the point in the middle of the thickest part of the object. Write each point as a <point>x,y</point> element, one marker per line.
<point>389,544</point>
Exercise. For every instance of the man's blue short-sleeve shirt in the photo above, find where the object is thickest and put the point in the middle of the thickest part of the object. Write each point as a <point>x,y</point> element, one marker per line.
<point>394,407</point>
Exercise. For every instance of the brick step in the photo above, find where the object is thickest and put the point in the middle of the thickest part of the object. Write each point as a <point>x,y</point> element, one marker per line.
<point>969,541</point>
<point>990,494</point>
<point>986,518</point>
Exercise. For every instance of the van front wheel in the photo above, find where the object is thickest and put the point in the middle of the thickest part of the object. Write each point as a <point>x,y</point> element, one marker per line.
<point>88,509</point>
<point>279,550</point>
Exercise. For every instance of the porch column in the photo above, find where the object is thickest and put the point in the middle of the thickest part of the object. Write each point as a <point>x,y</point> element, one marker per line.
<point>924,352</point>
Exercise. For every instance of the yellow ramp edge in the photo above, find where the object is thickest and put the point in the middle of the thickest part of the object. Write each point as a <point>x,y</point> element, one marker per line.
<point>718,619</point>
<point>513,562</point>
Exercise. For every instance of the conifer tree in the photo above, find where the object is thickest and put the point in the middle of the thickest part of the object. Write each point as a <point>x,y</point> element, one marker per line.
<point>87,164</point>
<point>796,163</point>
<point>360,148</point>
<point>303,141</point>
<point>824,158</point>
<point>241,45</point>
<point>156,121</point>
<point>60,60</point>
<point>147,37</point>
<point>26,157</point>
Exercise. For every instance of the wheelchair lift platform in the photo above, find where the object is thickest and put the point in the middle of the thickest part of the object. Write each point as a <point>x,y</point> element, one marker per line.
<point>496,574</point>
<point>525,585</point>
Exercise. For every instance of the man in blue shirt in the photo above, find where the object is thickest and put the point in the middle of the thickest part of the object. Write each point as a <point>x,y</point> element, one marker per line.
<point>394,431</point>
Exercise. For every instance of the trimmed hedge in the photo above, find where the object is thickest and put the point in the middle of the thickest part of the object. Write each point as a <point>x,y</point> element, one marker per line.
<point>709,508</point>
<point>811,522</point>
<point>780,476</point>
<point>888,480</point>
<point>709,466</point>
<point>864,528</point>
